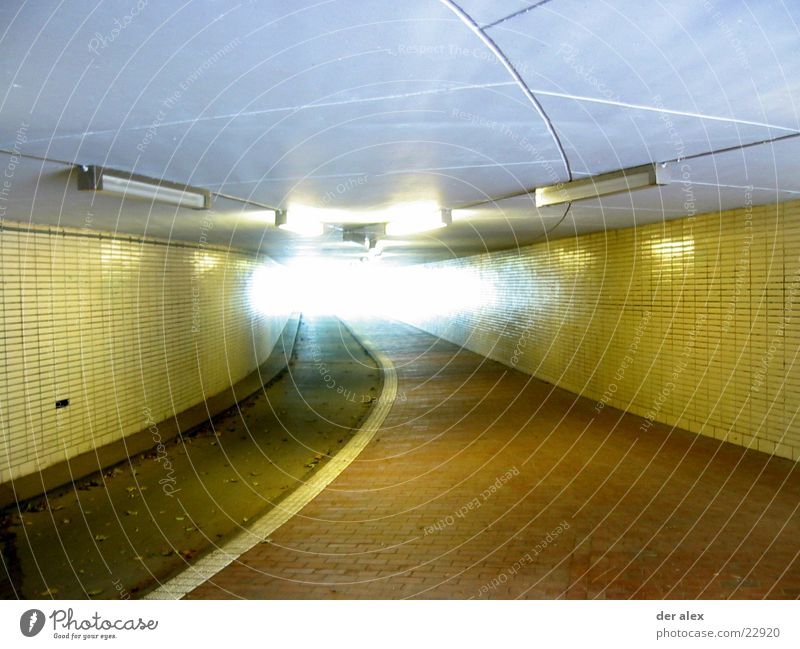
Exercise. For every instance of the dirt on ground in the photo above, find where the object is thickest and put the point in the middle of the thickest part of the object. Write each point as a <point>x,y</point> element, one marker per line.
<point>119,533</point>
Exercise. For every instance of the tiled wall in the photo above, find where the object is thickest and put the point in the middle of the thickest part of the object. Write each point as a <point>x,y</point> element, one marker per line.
<point>694,322</point>
<point>127,330</point>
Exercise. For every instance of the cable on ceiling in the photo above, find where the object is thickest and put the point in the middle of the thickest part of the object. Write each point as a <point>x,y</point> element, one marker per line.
<point>501,56</point>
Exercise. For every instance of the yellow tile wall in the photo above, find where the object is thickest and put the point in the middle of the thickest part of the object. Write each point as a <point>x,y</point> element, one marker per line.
<point>693,322</point>
<point>121,328</point>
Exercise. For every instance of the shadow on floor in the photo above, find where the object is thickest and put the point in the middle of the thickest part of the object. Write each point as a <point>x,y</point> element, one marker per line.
<point>119,533</point>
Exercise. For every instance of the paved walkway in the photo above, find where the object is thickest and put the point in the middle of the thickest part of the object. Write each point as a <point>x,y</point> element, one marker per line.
<point>121,532</point>
<point>486,483</point>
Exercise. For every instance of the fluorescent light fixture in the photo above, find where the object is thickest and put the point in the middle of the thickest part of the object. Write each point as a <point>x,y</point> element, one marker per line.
<point>399,220</point>
<point>616,182</point>
<point>365,235</point>
<point>413,222</point>
<point>127,185</point>
<point>299,222</point>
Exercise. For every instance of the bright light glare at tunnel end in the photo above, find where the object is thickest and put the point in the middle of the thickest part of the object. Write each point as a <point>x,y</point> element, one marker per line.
<point>362,290</point>
<point>400,219</point>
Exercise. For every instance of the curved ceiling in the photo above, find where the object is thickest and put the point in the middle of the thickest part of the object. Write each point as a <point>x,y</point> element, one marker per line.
<point>359,105</point>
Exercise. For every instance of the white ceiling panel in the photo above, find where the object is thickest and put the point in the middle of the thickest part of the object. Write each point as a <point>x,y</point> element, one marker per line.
<point>734,60</point>
<point>600,137</point>
<point>362,104</point>
<point>279,156</point>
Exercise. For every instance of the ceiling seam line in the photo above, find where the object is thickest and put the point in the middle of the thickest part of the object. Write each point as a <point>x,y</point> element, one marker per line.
<point>32,156</point>
<point>754,187</point>
<point>278,109</point>
<point>515,14</point>
<point>393,172</point>
<point>501,56</point>
<point>664,111</point>
<point>737,147</point>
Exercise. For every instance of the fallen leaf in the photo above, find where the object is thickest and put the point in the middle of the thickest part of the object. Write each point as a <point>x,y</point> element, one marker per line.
<point>100,537</point>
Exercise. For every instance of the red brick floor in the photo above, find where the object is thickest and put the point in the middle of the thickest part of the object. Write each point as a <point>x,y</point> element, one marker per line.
<point>487,483</point>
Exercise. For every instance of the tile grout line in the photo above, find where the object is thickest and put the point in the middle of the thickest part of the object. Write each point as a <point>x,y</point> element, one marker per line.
<point>214,562</point>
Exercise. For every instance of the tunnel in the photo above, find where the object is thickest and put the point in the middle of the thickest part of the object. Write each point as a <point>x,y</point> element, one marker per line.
<point>367,300</point>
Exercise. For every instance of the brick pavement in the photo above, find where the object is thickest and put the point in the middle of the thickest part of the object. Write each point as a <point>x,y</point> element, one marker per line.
<point>487,483</point>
